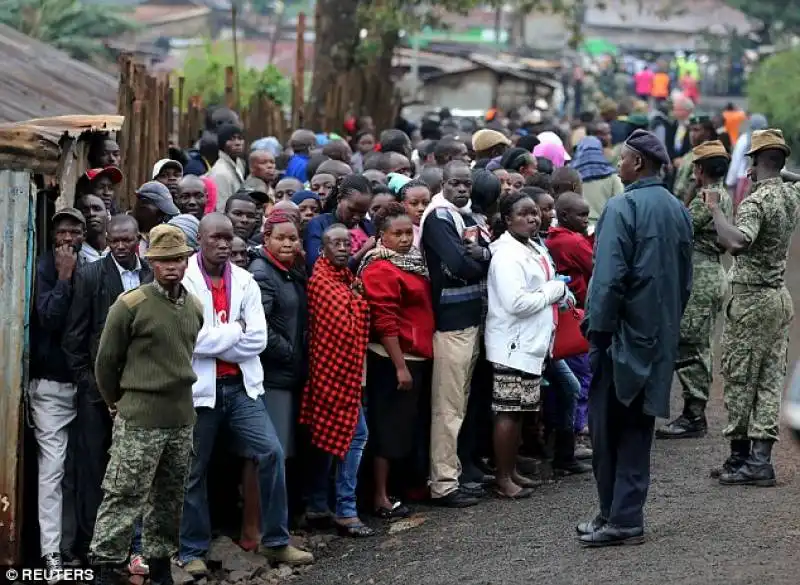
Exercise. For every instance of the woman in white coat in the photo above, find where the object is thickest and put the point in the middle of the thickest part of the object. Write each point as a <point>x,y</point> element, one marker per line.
<point>520,324</point>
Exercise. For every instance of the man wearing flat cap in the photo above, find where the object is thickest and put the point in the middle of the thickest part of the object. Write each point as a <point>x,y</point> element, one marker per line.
<point>489,144</point>
<point>144,374</point>
<point>153,206</point>
<point>693,367</point>
<point>758,315</point>
<point>640,286</point>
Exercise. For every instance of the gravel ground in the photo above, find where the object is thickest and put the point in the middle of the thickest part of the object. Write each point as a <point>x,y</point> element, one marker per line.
<point>698,532</point>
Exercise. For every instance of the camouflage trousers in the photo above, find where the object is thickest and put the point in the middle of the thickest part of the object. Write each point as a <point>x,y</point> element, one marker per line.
<point>755,345</point>
<point>694,363</point>
<point>145,477</point>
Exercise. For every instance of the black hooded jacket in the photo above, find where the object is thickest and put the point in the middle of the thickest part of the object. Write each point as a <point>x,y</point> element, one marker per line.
<point>283,295</point>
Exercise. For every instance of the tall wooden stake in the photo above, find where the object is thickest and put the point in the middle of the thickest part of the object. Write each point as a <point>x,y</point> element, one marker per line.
<point>235,56</point>
<point>299,72</point>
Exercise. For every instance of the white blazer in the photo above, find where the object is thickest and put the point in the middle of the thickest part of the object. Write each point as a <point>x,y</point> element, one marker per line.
<point>520,322</point>
<point>227,341</point>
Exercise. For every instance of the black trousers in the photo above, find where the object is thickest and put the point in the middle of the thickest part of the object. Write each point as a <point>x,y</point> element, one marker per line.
<point>93,439</point>
<point>622,438</point>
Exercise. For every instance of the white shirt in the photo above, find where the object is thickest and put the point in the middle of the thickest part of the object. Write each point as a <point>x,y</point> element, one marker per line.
<point>90,254</point>
<point>130,278</point>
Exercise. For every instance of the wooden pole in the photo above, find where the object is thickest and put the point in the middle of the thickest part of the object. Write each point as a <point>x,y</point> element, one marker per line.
<point>229,97</point>
<point>238,97</point>
<point>299,72</point>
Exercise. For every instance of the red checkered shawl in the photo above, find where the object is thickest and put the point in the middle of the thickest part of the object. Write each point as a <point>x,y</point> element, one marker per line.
<point>338,330</point>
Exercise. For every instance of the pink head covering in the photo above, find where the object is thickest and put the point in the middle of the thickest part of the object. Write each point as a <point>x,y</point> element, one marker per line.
<point>211,194</point>
<point>555,153</point>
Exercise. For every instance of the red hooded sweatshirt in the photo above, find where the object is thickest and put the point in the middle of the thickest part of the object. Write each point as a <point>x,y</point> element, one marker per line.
<point>573,255</point>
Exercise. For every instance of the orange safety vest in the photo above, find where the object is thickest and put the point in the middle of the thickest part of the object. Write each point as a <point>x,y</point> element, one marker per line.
<point>660,86</point>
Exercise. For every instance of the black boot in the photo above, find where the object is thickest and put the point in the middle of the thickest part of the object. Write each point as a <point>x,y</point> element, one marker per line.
<point>160,571</point>
<point>740,451</point>
<point>564,462</point>
<point>691,424</point>
<point>757,470</point>
<point>105,574</point>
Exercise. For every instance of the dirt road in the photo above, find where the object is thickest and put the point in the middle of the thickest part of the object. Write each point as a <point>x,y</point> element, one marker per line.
<point>698,531</point>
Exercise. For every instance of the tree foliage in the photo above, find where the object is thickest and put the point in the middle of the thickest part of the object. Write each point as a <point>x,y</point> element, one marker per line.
<point>777,18</point>
<point>70,25</point>
<point>772,90</point>
<point>204,75</point>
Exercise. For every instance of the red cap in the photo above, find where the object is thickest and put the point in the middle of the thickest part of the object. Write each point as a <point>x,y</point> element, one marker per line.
<point>113,173</point>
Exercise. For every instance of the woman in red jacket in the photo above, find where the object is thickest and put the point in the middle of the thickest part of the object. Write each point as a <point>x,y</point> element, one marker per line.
<point>398,291</point>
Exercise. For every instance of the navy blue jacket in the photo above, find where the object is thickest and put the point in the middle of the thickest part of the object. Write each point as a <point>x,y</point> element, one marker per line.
<point>641,283</point>
<point>312,241</point>
<point>457,279</point>
<point>52,298</point>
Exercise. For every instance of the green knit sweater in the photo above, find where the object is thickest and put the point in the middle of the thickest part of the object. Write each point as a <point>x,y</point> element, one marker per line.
<point>144,363</point>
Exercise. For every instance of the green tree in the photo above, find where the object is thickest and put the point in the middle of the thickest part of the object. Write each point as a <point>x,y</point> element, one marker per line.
<point>772,90</point>
<point>204,75</point>
<point>73,26</point>
<point>777,19</point>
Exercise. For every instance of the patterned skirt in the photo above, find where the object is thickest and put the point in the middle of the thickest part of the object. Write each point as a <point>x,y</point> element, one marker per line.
<point>515,391</point>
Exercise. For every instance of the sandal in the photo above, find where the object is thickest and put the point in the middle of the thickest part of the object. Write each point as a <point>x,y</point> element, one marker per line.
<point>520,495</point>
<point>398,510</point>
<point>355,530</point>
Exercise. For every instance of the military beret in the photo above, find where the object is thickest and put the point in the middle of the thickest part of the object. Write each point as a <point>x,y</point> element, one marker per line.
<point>771,138</point>
<point>647,144</point>
<point>710,149</point>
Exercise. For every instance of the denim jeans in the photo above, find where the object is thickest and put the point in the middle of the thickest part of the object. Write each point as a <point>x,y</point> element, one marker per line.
<point>250,427</point>
<point>561,396</point>
<point>136,542</point>
<point>320,464</point>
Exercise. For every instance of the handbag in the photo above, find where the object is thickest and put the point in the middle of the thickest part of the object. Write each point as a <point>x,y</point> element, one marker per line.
<point>569,340</point>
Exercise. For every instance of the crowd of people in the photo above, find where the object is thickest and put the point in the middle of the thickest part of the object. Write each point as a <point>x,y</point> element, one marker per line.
<point>450,306</point>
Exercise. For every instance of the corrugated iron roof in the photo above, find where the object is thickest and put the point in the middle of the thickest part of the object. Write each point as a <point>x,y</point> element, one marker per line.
<point>38,80</point>
<point>34,144</point>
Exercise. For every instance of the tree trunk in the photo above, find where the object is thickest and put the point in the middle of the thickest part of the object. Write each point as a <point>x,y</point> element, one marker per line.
<point>337,30</point>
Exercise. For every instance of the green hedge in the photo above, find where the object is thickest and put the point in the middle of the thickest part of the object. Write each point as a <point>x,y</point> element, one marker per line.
<point>774,90</point>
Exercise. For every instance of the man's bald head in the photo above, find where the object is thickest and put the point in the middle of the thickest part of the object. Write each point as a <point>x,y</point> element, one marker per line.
<point>572,212</point>
<point>123,221</point>
<point>334,231</point>
<point>334,167</point>
<point>214,222</point>
<point>454,166</point>
<point>191,183</point>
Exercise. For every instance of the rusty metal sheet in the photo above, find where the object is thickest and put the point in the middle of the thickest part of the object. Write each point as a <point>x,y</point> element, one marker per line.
<point>17,263</point>
<point>39,80</point>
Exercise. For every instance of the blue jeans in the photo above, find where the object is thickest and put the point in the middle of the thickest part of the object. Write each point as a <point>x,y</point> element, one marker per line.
<point>136,543</point>
<point>561,396</point>
<point>249,425</point>
<point>320,462</point>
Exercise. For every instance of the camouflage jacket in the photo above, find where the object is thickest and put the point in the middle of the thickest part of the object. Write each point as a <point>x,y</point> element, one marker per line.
<point>767,218</point>
<point>705,233</point>
<point>684,178</point>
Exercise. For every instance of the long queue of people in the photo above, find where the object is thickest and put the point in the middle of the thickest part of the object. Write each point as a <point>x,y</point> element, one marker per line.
<point>416,303</point>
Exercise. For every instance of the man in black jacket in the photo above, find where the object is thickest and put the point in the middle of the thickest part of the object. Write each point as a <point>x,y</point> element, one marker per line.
<point>51,395</point>
<point>97,286</point>
<point>458,264</point>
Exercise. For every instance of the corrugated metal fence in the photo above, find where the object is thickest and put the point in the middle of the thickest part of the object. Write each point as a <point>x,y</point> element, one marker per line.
<point>17,261</point>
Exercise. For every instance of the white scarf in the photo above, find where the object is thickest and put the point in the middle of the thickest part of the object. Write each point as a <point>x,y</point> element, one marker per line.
<point>439,202</point>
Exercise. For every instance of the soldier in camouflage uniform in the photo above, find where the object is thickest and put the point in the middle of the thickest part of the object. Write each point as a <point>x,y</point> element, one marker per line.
<point>144,373</point>
<point>694,363</point>
<point>701,129</point>
<point>756,338</point>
